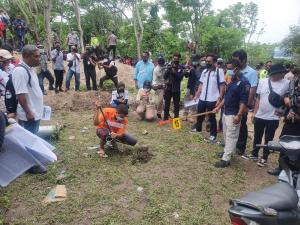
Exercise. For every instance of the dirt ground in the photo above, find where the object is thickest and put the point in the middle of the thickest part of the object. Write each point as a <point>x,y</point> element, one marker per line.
<point>179,185</point>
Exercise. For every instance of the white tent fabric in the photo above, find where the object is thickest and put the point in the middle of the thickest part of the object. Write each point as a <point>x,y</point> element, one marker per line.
<point>23,150</point>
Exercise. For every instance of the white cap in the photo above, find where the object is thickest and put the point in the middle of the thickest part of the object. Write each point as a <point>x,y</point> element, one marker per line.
<point>5,55</point>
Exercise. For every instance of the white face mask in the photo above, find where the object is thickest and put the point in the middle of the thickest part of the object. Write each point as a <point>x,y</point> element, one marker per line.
<point>147,89</point>
<point>203,63</point>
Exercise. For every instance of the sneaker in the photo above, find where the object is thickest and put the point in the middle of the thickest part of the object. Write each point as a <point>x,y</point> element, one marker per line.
<point>219,154</point>
<point>262,163</point>
<point>194,130</point>
<point>250,157</point>
<point>211,139</point>
<point>274,172</point>
<point>222,164</point>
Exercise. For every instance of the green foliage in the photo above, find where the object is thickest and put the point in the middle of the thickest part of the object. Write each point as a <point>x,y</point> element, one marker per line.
<point>291,44</point>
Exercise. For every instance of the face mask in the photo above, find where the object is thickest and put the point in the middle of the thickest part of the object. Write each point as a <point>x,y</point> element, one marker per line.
<point>147,89</point>
<point>209,65</point>
<point>176,62</point>
<point>121,90</point>
<point>145,60</point>
<point>202,63</point>
<point>195,63</point>
<point>230,73</point>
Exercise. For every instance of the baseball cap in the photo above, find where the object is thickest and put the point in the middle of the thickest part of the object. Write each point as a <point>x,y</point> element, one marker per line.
<point>5,55</point>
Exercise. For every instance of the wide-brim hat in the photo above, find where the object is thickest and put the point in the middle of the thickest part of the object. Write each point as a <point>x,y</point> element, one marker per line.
<point>5,55</point>
<point>277,69</point>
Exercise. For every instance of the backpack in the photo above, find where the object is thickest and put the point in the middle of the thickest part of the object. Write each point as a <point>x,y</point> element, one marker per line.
<point>112,71</point>
<point>10,97</point>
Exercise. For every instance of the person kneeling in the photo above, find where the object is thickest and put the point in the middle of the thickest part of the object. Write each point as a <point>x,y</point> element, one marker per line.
<point>235,104</point>
<point>145,99</point>
<point>111,126</point>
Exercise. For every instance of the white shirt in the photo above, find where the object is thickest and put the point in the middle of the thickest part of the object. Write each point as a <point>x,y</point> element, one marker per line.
<point>76,62</point>
<point>265,110</point>
<point>158,76</point>
<point>117,96</point>
<point>210,87</point>
<point>34,95</point>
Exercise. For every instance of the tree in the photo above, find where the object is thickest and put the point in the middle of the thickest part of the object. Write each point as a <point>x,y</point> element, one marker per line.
<point>138,26</point>
<point>47,11</point>
<point>77,14</point>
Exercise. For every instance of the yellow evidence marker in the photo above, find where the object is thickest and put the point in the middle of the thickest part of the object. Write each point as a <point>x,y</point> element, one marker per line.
<point>176,123</point>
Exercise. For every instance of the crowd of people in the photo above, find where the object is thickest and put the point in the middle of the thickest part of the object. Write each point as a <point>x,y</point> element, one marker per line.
<point>232,89</point>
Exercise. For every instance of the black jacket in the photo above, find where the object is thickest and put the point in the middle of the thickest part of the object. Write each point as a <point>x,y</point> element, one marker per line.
<point>173,79</point>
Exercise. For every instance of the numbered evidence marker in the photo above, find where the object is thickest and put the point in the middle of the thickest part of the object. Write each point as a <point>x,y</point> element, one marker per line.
<point>176,123</point>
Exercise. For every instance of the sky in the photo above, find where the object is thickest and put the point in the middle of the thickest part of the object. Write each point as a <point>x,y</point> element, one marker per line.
<point>276,15</point>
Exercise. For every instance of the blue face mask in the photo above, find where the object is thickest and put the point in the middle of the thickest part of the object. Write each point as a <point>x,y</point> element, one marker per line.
<point>230,73</point>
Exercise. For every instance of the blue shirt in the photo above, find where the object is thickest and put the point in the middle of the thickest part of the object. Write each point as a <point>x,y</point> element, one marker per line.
<point>143,71</point>
<point>251,75</point>
<point>236,92</point>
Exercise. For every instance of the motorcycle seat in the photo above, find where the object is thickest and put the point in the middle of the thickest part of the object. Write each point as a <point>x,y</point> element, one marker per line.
<point>280,196</point>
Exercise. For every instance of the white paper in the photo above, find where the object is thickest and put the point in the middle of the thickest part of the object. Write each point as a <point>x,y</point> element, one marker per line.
<point>46,113</point>
<point>191,103</point>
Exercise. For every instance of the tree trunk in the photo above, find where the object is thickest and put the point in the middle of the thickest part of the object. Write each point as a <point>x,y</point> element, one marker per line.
<point>47,11</point>
<point>138,28</point>
<point>77,13</point>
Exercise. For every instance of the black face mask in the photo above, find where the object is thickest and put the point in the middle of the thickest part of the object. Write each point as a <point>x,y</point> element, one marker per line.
<point>176,62</point>
<point>209,65</point>
<point>121,90</point>
<point>58,48</point>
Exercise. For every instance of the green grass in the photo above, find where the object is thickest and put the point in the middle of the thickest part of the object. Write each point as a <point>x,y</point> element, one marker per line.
<point>179,179</point>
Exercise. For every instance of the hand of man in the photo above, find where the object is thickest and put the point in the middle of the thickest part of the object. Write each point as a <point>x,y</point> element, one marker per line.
<point>97,104</point>
<point>237,119</point>
<point>216,110</point>
<point>191,97</point>
<point>113,135</point>
<point>30,116</point>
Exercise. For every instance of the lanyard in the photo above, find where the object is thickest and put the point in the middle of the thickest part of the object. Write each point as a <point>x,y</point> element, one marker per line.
<point>207,85</point>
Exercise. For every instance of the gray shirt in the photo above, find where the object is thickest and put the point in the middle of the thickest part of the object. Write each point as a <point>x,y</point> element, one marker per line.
<point>57,59</point>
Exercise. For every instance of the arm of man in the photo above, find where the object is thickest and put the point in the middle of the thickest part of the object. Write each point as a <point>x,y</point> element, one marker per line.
<point>23,102</point>
<point>238,117</point>
<point>97,117</point>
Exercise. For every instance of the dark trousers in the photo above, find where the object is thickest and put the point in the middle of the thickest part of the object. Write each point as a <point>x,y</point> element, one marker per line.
<point>220,124</point>
<point>168,95</point>
<point>114,79</point>
<point>261,127</point>
<point>204,106</point>
<point>59,77</point>
<point>20,41</point>
<point>128,139</point>
<point>113,48</point>
<point>45,74</point>
<point>90,74</point>
<point>242,141</point>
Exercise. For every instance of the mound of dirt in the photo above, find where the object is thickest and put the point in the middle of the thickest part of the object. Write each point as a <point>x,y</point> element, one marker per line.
<point>77,101</point>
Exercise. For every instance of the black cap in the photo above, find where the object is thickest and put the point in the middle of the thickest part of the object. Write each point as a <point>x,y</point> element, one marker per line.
<point>277,69</point>
<point>147,84</point>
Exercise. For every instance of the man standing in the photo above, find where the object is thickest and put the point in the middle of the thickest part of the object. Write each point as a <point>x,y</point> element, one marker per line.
<point>251,75</point>
<point>143,71</point>
<point>234,103</point>
<point>89,64</point>
<point>264,73</point>
<point>267,110</point>
<point>28,91</point>
<point>19,26</point>
<point>112,44</point>
<point>57,57</point>
<point>72,40</point>
<point>73,59</point>
<point>173,77</point>
<point>211,91</point>
<point>158,85</point>
<point>43,71</point>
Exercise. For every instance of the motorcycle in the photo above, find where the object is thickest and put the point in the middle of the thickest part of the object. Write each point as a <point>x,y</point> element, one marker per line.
<point>277,204</point>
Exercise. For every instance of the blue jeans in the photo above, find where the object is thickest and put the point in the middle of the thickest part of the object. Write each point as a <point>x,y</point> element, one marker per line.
<point>32,126</point>
<point>69,77</point>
